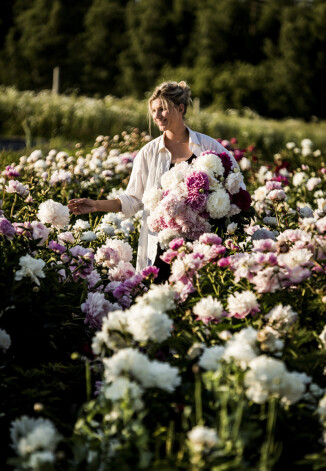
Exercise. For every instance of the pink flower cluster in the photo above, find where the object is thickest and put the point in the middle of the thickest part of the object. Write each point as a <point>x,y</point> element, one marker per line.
<point>274,265</point>
<point>210,187</point>
<point>80,262</point>
<point>188,258</point>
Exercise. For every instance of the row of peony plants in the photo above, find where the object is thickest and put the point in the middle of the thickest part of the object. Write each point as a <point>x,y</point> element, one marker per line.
<point>220,368</point>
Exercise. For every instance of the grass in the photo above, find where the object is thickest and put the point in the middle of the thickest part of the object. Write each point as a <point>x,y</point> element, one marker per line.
<point>46,120</point>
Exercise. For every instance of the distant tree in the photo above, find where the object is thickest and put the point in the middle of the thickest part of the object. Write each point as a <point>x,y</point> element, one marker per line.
<point>152,43</point>
<point>39,40</point>
<point>292,63</point>
<point>104,40</point>
<point>6,19</point>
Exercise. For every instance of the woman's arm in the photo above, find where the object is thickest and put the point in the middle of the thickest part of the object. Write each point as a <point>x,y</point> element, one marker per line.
<point>86,205</point>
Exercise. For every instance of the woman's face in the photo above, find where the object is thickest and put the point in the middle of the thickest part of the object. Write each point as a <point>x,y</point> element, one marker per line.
<point>166,118</point>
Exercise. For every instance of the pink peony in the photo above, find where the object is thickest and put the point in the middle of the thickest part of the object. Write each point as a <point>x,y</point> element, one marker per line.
<point>6,228</point>
<point>210,238</point>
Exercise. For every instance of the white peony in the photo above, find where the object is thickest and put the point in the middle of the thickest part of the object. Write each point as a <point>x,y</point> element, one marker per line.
<point>245,164</point>
<point>269,377</point>
<point>14,186</point>
<point>295,257</point>
<point>299,178</point>
<point>56,214</point>
<point>321,204</point>
<point>208,307</point>
<point>240,304</point>
<point>150,374</point>
<point>5,340</point>
<point>210,164</point>
<point>145,323</point>
<point>202,438</point>
<point>29,435</point>
<point>281,317</point>
<point>88,236</point>
<point>234,182</point>
<point>163,376</point>
<point>161,297</point>
<point>312,183</point>
<point>123,388</point>
<point>173,177</point>
<point>81,225</point>
<point>260,193</point>
<point>166,235</point>
<point>231,228</point>
<point>151,198</point>
<point>218,204</point>
<point>211,358</point>
<point>31,267</point>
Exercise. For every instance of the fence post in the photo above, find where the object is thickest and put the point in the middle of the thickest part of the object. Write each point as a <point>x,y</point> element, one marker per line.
<point>196,106</point>
<point>55,81</point>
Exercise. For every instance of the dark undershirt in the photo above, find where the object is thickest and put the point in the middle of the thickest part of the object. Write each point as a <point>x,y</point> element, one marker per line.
<point>165,270</point>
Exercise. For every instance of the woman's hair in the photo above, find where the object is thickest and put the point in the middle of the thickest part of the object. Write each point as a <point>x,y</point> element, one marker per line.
<point>171,93</point>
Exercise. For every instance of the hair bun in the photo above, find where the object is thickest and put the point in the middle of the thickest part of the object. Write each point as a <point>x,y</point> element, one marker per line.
<point>182,84</point>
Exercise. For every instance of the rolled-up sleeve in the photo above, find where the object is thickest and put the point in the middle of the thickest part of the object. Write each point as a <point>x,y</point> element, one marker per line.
<point>131,199</point>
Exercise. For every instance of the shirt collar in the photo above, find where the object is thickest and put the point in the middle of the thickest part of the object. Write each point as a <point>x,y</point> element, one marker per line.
<point>193,139</point>
<point>161,143</point>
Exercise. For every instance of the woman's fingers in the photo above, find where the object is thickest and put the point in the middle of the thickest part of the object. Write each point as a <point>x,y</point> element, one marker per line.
<point>73,205</point>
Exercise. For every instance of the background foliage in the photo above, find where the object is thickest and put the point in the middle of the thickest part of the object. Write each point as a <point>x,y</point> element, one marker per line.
<point>265,54</point>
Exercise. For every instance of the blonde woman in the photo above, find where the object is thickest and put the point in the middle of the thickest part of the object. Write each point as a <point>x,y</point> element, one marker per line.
<point>167,106</point>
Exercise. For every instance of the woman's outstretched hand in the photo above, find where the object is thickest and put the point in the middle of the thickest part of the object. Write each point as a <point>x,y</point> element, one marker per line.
<point>82,206</point>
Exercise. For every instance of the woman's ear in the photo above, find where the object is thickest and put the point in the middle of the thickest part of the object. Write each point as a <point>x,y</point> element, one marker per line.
<point>182,108</point>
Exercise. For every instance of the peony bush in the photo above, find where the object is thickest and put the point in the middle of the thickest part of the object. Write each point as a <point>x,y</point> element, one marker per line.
<point>221,367</point>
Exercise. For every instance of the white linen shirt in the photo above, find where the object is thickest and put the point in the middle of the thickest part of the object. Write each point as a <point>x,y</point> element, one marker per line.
<point>151,162</point>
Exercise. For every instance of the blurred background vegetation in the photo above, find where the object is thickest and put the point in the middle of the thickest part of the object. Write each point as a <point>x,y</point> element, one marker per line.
<point>245,60</point>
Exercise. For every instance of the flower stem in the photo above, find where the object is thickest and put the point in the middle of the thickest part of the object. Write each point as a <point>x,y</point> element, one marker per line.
<point>13,206</point>
<point>268,446</point>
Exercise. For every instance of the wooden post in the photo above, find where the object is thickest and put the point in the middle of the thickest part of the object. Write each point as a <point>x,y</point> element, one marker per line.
<point>196,106</point>
<point>55,82</point>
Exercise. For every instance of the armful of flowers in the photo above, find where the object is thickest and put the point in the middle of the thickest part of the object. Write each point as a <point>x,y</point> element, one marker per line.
<point>211,187</point>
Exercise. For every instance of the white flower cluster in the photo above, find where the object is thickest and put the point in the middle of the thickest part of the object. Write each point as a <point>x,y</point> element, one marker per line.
<point>269,377</point>
<point>35,440</point>
<point>122,388</point>
<point>146,320</point>
<point>241,348</point>
<point>59,167</point>
<point>150,374</point>
<point>113,251</point>
<point>202,438</point>
<point>281,318</point>
<point>56,214</point>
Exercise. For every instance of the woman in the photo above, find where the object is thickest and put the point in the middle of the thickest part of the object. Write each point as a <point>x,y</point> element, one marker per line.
<point>167,106</point>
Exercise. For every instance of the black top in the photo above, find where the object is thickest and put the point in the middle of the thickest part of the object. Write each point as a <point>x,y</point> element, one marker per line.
<point>191,158</point>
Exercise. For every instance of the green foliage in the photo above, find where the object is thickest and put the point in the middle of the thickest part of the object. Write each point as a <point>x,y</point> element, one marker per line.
<point>269,56</point>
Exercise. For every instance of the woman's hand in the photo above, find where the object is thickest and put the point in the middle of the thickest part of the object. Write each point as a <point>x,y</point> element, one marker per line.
<point>82,206</point>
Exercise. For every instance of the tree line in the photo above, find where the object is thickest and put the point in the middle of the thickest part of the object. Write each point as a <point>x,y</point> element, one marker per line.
<point>268,55</point>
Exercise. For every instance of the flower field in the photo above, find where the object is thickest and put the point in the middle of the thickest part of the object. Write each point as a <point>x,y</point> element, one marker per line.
<point>221,368</point>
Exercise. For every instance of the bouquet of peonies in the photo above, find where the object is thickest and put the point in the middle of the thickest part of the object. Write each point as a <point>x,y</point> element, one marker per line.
<point>193,196</point>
